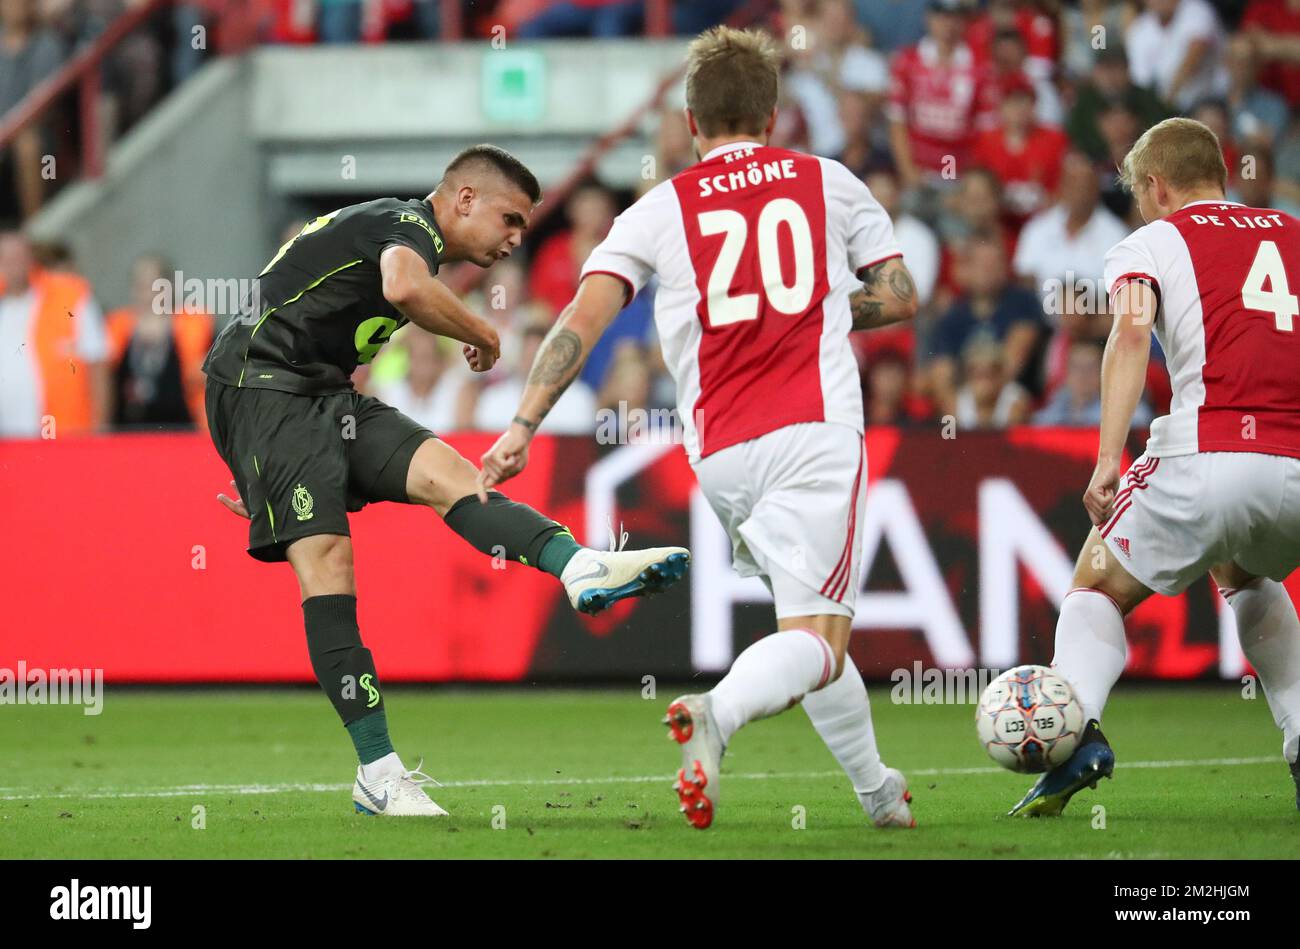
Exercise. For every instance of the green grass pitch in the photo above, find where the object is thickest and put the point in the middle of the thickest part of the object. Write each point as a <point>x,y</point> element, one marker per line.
<point>572,774</point>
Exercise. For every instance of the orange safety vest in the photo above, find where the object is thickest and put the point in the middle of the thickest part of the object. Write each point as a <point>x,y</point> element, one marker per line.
<point>191,334</point>
<point>65,378</point>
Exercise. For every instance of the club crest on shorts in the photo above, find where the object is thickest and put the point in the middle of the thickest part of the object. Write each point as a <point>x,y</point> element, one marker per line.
<point>302,503</point>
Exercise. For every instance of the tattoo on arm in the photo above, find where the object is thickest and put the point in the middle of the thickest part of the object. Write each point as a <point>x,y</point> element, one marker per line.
<point>557,366</point>
<point>869,306</point>
<point>900,282</point>
<point>866,312</point>
<point>520,420</point>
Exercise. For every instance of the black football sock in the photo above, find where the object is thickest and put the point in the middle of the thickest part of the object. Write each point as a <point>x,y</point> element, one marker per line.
<point>506,528</point>
<point>346,671</point>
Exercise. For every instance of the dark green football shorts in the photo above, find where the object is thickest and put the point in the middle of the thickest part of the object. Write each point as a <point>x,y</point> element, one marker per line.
<point>302,462</point>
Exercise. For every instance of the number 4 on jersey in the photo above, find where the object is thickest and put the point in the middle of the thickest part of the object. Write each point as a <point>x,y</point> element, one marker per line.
<point>1278,299</point>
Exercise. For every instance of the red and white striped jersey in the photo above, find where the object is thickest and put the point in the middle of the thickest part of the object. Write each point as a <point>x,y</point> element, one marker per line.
<point>1223,273</point>
<point>756,250</point>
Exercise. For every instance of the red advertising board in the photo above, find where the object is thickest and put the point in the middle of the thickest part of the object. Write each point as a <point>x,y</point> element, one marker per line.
<point>120,558</point>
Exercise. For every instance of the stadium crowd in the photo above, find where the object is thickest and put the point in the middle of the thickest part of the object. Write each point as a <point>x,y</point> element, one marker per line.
<point>989,131</point>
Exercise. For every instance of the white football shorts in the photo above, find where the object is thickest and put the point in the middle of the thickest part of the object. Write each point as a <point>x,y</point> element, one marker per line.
<point>1178,516</point>
<point>791,500</point>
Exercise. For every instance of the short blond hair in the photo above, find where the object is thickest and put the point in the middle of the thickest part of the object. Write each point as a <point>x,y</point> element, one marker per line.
<point>732,81</point>
<point>1184,152</point>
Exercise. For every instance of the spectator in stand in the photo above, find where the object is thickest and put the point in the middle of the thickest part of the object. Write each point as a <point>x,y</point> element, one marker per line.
<point>992,306</point>
<point>629,380</point>
<point>52,348</point>
<point>915,238</point>
<point>973,211</point>
<point>1077,403</point>
<point>600,19</point>
<point>1036,29</point>
<point>887,391</point>
<point>1175,48</point>
<point>989,397</point>
<point>893,24</point>
<point>1120,127</point>
<point>1254,186</point>
<point>1258,115</point>
<point>554,280</point>
<point>29,53</point>
<point>431,392</point>
<point>1088,31</point>
<point>1061,249</point>
<point>1274,27</point>
<point>1214,114</point>
<point>1012,67</point>
<point>156,349</point>
<point>837,60</point>
<point>1024,154</point>
<point>1073,235</point>
<point>1109,84</point>
<point>940,99</point>
<point>675,150</point>
<point>574,413</point>
<point>861,153</point>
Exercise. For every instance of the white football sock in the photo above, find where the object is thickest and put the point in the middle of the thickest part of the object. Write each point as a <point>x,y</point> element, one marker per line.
<point>841,713</point>
<point>770,676</point>
<point>1270,637</point>
<point>381,767</point>
<point>1090,647</point>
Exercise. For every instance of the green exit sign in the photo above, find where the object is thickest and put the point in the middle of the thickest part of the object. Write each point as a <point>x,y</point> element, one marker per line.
<point>514,85</point>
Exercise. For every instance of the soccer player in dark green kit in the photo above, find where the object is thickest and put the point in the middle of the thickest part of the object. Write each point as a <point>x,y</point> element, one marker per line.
<point>305,447</point>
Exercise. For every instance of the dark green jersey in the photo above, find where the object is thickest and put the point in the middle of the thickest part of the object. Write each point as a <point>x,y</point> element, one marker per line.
<point>320,308</point>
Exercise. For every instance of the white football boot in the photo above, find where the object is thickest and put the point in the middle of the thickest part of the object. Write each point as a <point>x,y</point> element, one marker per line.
<point>395,793</point>
<point>691,724</point>
<point>887,805</point>
<point>595,579</point>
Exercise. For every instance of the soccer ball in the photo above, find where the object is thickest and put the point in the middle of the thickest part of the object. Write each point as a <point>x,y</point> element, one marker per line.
<point>1029,720</point>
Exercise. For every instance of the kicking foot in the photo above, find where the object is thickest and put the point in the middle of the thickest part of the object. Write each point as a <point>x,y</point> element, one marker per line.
<point>395,792</point>
<point>1091,761</point>
<point>690,723</point>
<point>595,579</point>
<point>887,805</point>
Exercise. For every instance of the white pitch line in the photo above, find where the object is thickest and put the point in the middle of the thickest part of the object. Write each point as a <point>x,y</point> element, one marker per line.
<point>191,790</point>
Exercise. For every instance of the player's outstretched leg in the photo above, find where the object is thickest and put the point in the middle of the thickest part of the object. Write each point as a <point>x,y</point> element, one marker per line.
<point>593,579</point>
<point>1090,655</point>
<point>1269,632</point>
<point>346,672</point>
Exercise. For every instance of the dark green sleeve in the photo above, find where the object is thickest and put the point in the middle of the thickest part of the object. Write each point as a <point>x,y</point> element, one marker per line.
<point>400,226</point>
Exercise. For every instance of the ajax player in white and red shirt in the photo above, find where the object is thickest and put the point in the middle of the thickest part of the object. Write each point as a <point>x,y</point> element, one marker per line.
<point>1218,488</point>
<point>766,260</point>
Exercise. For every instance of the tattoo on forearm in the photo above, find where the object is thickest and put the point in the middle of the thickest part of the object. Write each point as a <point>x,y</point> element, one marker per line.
<point>560,353</point>
<point>900,281</point>
<point>871,279</point>
<point>869,310</point>
<point>557,365</point>
<point>866,311</point>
